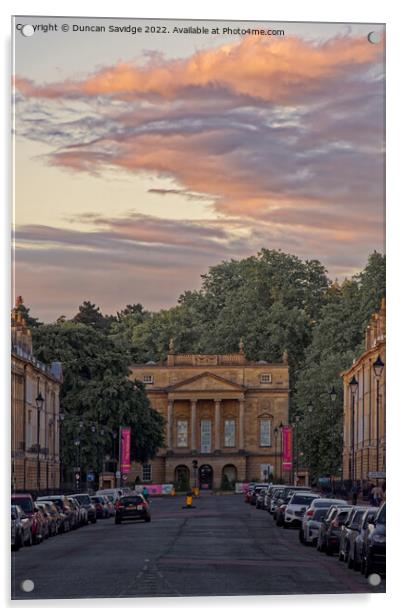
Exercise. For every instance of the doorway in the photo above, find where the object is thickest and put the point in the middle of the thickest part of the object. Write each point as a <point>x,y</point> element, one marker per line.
<point>205,477</point>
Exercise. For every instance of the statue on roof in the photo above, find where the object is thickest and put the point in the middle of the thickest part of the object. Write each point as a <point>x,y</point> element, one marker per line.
<point>171,345</point>
<point>285,357</point>
<point>241,345</point>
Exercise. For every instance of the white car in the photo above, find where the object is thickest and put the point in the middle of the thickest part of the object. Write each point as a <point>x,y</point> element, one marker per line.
<point>294,512</point>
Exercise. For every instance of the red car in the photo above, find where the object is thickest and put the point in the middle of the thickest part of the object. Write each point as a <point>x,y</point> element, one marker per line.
<point>26,502</point>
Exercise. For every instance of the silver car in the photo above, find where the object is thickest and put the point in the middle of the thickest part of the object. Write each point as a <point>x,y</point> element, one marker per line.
<point>310,526</point>
<point>21,533</point>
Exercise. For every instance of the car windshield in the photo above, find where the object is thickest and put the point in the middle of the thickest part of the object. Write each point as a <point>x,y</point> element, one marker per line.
<point>300,499</point>
<point>320,513</point>
<point>83,499</point>
<point>381,516</point>
<point>24,503</point>
<point>131,500</point>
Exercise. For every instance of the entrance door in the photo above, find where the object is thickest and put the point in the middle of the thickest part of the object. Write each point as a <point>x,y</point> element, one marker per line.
<point>205,476</point>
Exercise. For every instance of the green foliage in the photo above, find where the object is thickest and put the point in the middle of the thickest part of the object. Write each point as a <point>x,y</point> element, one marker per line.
<point>97,392</point>
<point>337,339</point>
<point>30,321</point>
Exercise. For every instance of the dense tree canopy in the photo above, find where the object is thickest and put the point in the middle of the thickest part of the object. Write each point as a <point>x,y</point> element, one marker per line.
<point>273,301</point>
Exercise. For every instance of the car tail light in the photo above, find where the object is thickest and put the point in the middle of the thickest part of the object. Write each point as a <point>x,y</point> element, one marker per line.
<point>335,523</point>
<point>118,505</point>
<point>309,513</point>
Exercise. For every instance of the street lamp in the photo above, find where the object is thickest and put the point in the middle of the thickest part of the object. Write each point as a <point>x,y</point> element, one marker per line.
<point>310,407</point>
<point>297,420</point>
<point>39,400</point>
<point>281,458</point>
<point>353,385</point>
<point>77,443</point>
<point>378,367</point>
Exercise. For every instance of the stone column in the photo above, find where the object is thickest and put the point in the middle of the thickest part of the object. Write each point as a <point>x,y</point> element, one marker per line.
<point>193,425</point>
<point>241,423</point>
<point>170,425</point>
<point>217,425</point>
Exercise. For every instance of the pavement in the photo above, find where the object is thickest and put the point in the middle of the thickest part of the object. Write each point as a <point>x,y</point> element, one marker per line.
<point>221,547</point>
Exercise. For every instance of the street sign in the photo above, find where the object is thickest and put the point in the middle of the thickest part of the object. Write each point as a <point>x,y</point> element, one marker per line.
<point>77,475</point>
<point>376,475</point>
<point>90,477</point>
<point>118,474</point>
<point>76,469</point>
<point>124,477</point>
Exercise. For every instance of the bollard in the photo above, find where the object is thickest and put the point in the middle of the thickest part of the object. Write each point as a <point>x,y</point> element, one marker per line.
<point>189,501</point>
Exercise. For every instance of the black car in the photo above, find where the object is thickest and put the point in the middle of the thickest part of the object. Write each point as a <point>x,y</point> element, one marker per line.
<point>132,508</point>
<point>356,548</point>
<point>85,501</point>
<point>374,547</point>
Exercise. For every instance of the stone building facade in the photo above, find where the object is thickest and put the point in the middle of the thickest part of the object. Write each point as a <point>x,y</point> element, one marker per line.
<point>364,412</point>
<point>35,461</point>
<point>220,410</point>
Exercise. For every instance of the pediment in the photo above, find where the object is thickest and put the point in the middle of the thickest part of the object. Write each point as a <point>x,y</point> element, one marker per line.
<point>207,381</point>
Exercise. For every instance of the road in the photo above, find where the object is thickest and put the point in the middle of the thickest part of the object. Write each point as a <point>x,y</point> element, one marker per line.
<point>221,547</point>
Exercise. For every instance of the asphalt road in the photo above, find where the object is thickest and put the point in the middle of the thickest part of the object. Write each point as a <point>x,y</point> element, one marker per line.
<point>221,547</point>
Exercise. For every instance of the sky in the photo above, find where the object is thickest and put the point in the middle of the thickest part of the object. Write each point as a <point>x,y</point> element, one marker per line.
<point>143,159</point>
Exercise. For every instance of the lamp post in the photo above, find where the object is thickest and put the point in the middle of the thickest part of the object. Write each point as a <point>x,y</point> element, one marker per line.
<point>353,385</point>
<point>39,400</point>
<point>276,450</point>
<point>297,419</point>
<point>378,367</point>
<point>77,443</point>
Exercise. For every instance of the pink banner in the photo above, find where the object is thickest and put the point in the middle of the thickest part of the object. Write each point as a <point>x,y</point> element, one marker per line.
<point>125,459</point>
<point>287,448</point>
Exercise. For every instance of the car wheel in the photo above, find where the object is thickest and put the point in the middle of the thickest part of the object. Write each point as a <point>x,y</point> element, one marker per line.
<point>29,541</point>
<point>94,520</point>
<point>367,567</point>
<point>147,519</point>
<point>328,550</point>
<point>301,537</point>
<point>117,520</point>
<point>351,562</point>
<point>285,525</point>
<point>17,543</point>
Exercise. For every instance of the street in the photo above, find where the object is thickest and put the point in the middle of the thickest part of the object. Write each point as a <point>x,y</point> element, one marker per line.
<point>221,547</point>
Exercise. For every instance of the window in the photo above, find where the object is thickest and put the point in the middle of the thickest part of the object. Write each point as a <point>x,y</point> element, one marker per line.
<point>148,378</point>
<point>265,432</point>
<point>146,472</point>
<point>182,433</point>
<point>230,432</point>
<point>265,378</point>
<point>205,436</point>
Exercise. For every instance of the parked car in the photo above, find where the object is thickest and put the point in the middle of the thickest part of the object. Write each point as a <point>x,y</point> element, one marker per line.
<point>257,489</point>
<point>269,493</point>
<point>85,501</point>
<point>102,510</point>
<point>349,530</point>
<point>273,498</point>
<point>132,507</point>
<point>355,551</point>
<point>47,521</point>
<point>114,493</point>
<point>82,512</point>
<point>110,504</point>
<point>330,528</point>
<point>374,546</point>
<point>310,528</point>
<point>259,501</point>
<point>56,515</point>
<point>279,513</point>
<point>248,492</point>
<point>62,502</point>
<point>26,502</point>
<point>311,521</point>
<point>21,533</point>
<point>296,507</point>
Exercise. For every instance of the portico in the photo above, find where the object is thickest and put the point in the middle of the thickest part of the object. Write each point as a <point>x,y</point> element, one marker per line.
<point>220,410</point>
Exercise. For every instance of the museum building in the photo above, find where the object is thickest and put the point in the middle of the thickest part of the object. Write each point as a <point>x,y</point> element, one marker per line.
<point>220,410</point>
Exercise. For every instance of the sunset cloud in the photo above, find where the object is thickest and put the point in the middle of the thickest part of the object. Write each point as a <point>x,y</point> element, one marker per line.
<point>281,139</point>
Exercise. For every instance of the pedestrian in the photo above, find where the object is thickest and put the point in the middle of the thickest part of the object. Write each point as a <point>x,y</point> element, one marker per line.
<point>377,495</point>
<point>355,492</point>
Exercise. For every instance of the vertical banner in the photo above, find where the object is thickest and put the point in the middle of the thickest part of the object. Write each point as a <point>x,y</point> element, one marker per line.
<point>287,448</point>
<point>125,445</point>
